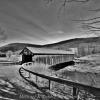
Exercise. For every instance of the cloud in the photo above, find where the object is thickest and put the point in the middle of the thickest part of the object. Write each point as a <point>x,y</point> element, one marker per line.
<point>3,35</point>
<point>28,20</point>
<point>59,32</point>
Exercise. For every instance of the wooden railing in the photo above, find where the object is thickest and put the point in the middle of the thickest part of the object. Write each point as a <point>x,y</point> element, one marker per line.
<point>94,90</point>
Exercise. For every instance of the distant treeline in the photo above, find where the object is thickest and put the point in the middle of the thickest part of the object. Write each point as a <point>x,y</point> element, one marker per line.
<point>88,49</point>
<point>2,55</point>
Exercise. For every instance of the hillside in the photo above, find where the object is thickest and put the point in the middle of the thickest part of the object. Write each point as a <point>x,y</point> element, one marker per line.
<point>72,43</point>
<point>60,45</point>
<point>17,46</point>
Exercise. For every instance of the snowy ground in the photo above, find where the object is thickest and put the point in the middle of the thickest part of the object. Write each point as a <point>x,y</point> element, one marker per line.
<point>85,71</point>
<point>13,87</point>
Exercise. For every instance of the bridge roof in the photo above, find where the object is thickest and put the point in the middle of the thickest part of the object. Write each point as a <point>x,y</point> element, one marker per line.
<point>45,51</point>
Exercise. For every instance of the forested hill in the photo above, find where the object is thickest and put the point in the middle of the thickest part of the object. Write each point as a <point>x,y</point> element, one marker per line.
<point>59,45</point>
<point>72,43</point>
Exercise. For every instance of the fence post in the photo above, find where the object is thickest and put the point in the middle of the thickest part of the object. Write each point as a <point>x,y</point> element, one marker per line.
<point>36,79</point>
<point>29,75</point>
<point>75,93</point>
<point>49,84</point>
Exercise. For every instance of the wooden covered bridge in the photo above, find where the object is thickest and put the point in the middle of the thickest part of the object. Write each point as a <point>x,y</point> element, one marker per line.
<point>46,56</point>
<point>51,57</point>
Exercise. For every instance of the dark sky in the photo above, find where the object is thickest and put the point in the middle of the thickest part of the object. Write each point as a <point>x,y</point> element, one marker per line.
<point>34,21</point>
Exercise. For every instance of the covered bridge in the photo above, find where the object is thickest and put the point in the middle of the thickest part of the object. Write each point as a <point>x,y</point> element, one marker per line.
<point>46,56</point>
